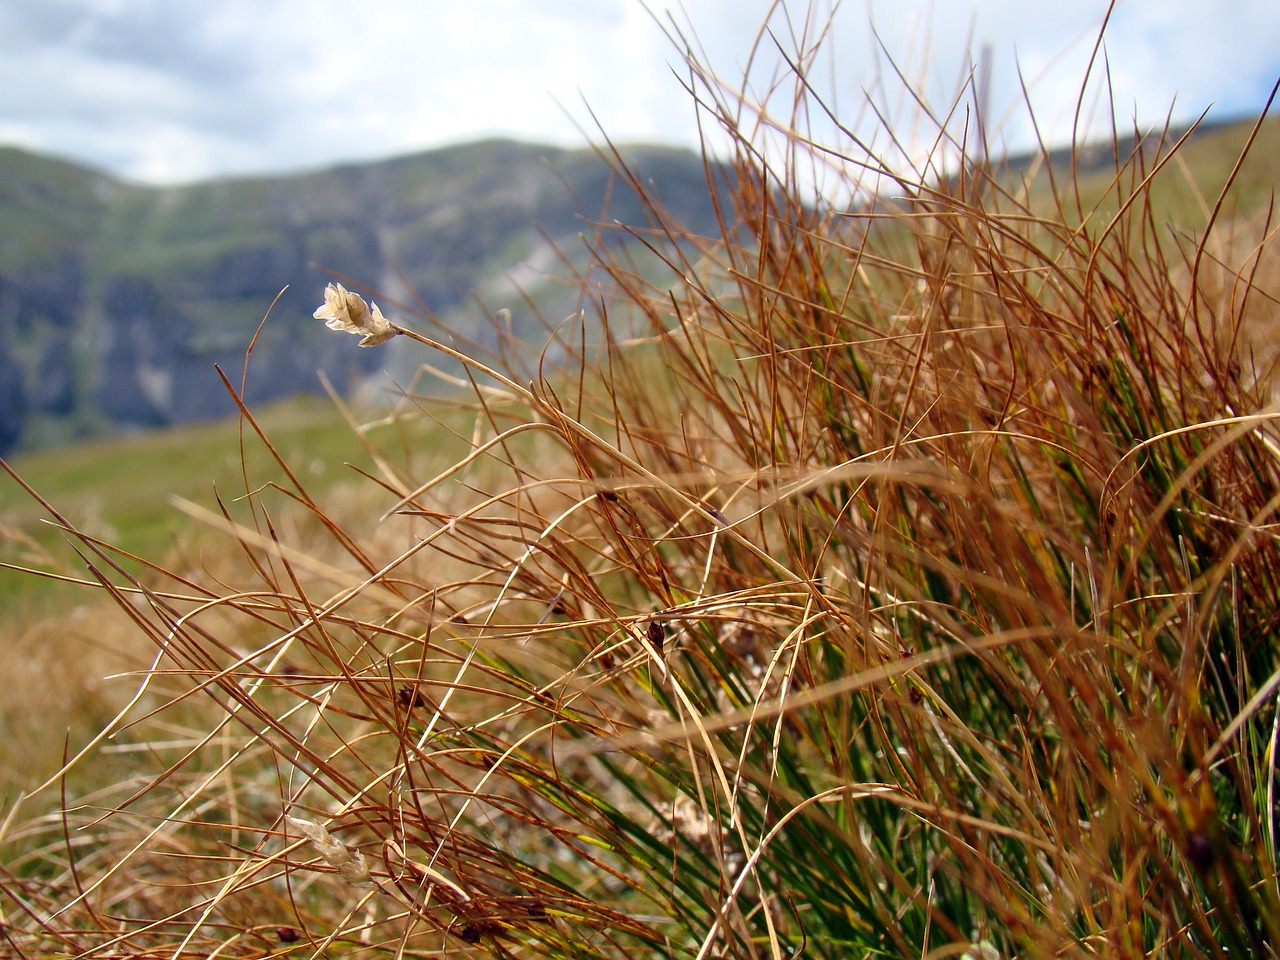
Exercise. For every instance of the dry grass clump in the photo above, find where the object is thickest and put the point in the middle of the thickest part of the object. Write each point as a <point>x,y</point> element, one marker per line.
<point>900,581</point>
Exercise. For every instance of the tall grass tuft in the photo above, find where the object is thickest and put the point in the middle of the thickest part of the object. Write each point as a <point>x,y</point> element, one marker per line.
<point>890,575</point>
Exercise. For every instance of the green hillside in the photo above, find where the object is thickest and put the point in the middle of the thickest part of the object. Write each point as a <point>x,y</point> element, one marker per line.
<point>116,300</point>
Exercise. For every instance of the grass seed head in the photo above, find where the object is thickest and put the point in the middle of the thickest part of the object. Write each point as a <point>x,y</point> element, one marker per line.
<point>347,311</point>
<point>350,864</point>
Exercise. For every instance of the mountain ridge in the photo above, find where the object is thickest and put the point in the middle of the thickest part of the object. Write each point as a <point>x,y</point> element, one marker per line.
<point>117,298</point>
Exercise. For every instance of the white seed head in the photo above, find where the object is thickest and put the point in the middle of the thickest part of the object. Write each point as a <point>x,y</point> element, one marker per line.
<point>350,864</point>
<point>347,311</point>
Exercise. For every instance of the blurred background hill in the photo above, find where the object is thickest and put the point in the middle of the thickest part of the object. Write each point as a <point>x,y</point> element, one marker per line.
<point>117,299</point>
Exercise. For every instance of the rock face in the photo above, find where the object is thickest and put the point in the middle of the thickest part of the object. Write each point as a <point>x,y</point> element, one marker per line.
<point>117,300</point>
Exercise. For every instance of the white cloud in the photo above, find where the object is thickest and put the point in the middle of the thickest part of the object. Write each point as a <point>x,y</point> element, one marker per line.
<point>167,91</point>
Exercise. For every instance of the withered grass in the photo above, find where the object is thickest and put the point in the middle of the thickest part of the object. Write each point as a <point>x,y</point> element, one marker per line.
<point>890,577</point>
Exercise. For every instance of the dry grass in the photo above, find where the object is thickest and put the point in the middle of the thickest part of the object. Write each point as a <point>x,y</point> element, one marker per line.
<point>900,581</point>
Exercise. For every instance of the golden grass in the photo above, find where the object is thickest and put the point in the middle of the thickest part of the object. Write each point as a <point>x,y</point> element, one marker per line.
<point>899,580</point>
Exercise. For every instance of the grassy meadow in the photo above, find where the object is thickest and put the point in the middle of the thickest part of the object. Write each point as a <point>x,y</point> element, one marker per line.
<point>890,580</point>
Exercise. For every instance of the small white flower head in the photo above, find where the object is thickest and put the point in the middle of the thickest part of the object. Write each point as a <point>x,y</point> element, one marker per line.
<point>347,311</point>
<point>350,864</point>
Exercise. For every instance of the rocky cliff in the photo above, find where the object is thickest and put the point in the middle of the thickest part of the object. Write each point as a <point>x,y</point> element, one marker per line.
<point>116,300</point>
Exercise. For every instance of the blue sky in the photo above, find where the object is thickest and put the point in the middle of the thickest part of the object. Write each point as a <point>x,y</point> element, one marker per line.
<point>163,91</point>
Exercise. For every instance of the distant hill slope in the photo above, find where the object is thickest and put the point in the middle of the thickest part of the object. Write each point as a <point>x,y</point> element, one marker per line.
<point>116,299</point>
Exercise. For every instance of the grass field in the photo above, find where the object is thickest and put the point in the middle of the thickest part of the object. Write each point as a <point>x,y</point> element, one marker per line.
<point>888,581</point>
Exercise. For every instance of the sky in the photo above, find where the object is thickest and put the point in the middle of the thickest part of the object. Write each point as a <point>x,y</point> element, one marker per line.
<point>171,91</point>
